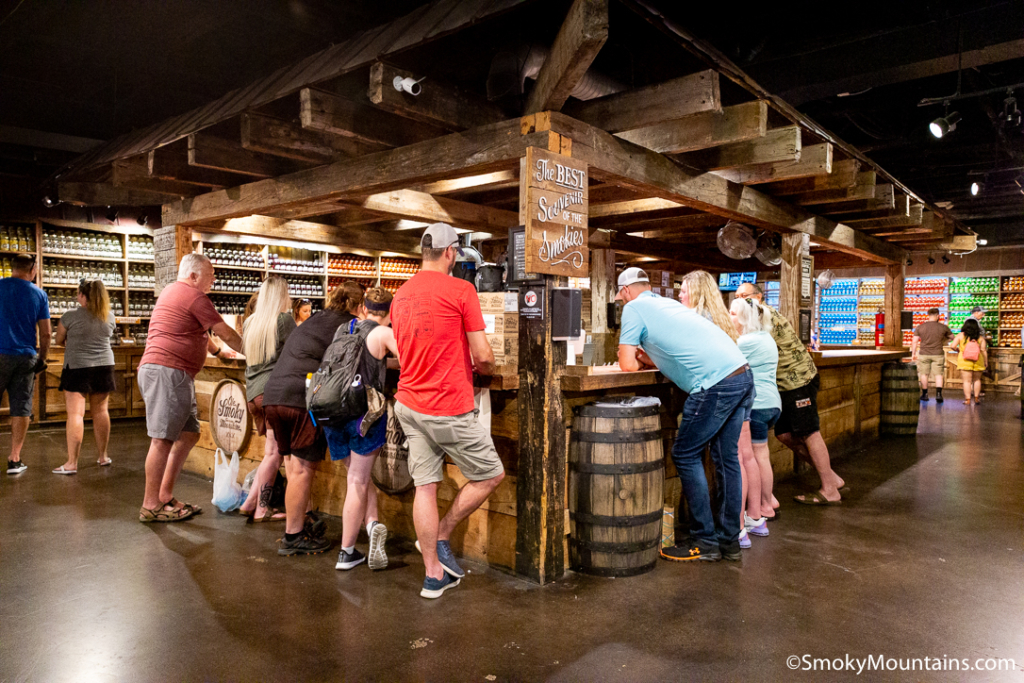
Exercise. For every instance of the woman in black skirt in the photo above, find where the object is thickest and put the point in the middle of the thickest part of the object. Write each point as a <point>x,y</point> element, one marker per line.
<point>88,370</point>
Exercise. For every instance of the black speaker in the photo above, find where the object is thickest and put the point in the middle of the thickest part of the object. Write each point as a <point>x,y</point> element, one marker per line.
<point>906,320</point>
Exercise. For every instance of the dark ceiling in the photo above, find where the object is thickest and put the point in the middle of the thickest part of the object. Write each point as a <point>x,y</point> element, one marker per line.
<point>99,69</point>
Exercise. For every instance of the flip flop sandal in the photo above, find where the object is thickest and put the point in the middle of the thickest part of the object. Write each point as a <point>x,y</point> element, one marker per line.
<point>105,463</point>
<point>269,517</point>
<point>816,499</point>
<point>147,516</point>
<point>61,470</point>
<point>775,517</point>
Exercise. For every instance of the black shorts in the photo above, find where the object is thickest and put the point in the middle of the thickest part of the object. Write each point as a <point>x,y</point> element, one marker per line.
<point>800,410</point>
<point>97,380</point>
<point>295,433</point>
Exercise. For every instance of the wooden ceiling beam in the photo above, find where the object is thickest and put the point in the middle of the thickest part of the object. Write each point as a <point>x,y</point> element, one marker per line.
<point>864,189</point>
<point>612,159</point>
<point>208,151</point>
<point>815,160</point>
<point>476,183</point>
<point>883,199</point>
<point>633,207</point>
<point>320,233</point>
<point>170,162</point>
<point>844,173</point>
<point>638,246</point>
<point>105,194</point>
<point>580,38</point>
<point>323,112</point>
<point>420,206</point>
<point>134,172</point>
<point>654,104</point>
<point>284,139</point>
<point>738,123</point>
<point>777,145</point>
<point>914,218</point>
<point>438,104</point>
<point>668,228</point>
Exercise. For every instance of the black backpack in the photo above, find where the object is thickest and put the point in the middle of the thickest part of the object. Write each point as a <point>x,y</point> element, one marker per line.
<point>337,392</point>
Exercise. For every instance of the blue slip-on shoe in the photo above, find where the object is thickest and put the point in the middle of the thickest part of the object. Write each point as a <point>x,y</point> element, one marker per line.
<point>447,560</point>
<point>433,588</point>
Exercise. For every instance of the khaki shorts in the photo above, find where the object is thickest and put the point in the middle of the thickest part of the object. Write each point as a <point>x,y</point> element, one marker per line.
<point>170,397</point>
<point>460,437</point>
<point>931,365</point>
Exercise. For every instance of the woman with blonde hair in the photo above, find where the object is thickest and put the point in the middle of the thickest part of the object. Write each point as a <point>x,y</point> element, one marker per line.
<point>699,291</point>
<point>753,323</point>
<point>88,371</point>
<point>263,335</point>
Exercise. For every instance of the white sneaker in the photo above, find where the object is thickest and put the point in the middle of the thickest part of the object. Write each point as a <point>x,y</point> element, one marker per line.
<point>378,559</point>
<point>744,539</point>
<point>757,527</point>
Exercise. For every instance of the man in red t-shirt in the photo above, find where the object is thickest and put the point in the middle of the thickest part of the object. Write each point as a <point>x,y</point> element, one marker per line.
<point>440,334</point>
<point>175,353</point>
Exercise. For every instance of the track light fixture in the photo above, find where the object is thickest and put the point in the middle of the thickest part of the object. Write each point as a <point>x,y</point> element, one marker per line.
<point>931,260</point>
<point>1011,115</point>
<point>142,220</point>
<point>112,215</point>
<point>944,125</point>
<point>976,188</point>
<point>49,202</point>
<point>910,261</point>
<point>945,259</point>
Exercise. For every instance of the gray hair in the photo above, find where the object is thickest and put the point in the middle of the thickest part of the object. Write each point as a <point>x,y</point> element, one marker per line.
<point>192,264</point>
<point>751,315</point>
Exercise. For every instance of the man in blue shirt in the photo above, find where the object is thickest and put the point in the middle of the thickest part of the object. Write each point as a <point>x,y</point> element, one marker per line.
<point>25,310</point>
<point>703,361</point>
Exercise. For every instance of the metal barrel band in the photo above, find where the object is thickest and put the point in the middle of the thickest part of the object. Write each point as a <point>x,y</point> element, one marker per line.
<point>612,411</point>
<point>631,468</point>
<point>617,571</point>
<point>617,437</point>
<point>610,520</point>
<point>610,547</point>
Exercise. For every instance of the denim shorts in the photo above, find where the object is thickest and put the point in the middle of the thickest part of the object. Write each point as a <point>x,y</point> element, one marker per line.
<point>343,439</point>
<point>761,420</point>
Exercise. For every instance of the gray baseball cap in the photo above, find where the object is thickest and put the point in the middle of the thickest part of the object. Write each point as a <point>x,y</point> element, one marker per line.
<point>977,309</point>
<point>442,236</point>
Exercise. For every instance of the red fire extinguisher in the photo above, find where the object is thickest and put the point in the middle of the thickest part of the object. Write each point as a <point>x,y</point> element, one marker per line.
<point>879,329</point>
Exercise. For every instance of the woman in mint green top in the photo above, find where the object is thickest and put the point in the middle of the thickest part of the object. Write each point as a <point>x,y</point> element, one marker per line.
<point>754,324</point>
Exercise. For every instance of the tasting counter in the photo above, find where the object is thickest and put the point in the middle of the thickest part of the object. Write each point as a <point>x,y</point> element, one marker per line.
<point>848,404</point>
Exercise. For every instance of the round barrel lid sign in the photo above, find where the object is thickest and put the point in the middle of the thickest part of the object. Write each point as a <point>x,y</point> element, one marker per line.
<point>230,422</point>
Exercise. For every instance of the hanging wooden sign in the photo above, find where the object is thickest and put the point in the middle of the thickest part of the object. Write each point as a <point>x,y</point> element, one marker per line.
<point>554,197</point>
<point>230,421</point>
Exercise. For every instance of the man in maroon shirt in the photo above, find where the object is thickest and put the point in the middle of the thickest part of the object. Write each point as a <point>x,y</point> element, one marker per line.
<point>440,334</point>
<point>175,353</point>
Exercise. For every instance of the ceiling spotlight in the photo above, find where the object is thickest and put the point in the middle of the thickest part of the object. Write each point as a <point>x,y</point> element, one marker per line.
<point>981,243</point>
<point>944,125</point>
<point>931,260</point>
<point>142,220</point>
<point>49,202</point>
<point>910,262</point>
<point>112,215</point>
<point>1011,115</point>
<point>976,188</point>
<point>945,259</point>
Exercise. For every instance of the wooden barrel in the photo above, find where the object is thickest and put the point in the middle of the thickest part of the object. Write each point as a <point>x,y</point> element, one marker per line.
<point>900,399</point>
<point>616,483</point>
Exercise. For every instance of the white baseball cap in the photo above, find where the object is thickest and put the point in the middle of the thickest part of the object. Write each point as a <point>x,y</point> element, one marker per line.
<point>631,276</point>
<point>442,236</point>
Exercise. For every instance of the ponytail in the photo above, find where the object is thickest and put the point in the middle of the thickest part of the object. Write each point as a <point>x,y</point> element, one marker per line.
<point>97,300</point>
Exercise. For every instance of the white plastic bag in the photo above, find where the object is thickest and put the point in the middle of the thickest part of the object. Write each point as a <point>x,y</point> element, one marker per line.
<point>227,494</point>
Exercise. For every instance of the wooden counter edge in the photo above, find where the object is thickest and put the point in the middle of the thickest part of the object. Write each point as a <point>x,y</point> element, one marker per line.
<point>859,359</point>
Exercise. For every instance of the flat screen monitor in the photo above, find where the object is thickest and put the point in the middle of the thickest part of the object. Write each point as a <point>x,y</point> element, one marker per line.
<point>730,282</point>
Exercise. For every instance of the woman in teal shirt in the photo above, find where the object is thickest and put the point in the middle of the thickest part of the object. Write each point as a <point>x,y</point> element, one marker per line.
<point>754,324</point>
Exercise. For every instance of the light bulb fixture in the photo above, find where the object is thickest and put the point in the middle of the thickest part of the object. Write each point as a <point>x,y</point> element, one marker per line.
<point>976,188</point>
<point>944,125</point>
<point>981,243</point>
<point>931,260</point>
<point>1011,115</point>
<point>945,259</point>
<point>49,202</point>
<point>142,220</point>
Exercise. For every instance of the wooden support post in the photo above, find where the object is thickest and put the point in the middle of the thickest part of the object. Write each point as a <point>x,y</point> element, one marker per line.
<point>893,305</point>
<point>790,282</point>
<point>602,293</point>
<point>170,244</point>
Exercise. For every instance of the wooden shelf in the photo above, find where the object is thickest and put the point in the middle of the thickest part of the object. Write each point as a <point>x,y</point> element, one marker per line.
<point>285,273</point>
<point>358,276</point>
<point>141,260</point>
<point>72,257</point>
<point>307,296</point>
<point>406,276</point>
<point>14,253</point>
<point>56,286</point>
<point>247,268</point>
<point>217,291</point>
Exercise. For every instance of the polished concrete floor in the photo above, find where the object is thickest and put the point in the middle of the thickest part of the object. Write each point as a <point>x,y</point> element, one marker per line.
<point>923,560</point>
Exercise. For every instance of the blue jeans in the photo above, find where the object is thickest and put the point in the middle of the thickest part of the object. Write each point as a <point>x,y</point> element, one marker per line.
<point>714,416</point>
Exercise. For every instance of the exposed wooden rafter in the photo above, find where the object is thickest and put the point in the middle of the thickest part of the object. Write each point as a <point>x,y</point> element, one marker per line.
<point>815,160</point>
<point>738,123</point>
<point>580,38</point>
<point>843,174</point>
<point>777,145</point>
<point>421,206</point>
<point>327,113</point>
<point>306,231</point>
<point>290,141</point>
<point>438,104</point>
<point>105,194</point>
<point>208,151</point>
